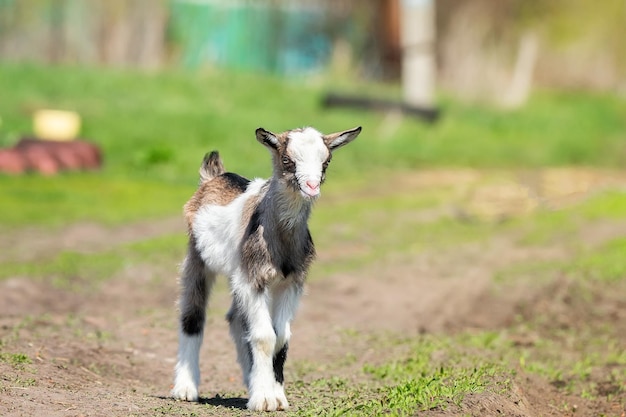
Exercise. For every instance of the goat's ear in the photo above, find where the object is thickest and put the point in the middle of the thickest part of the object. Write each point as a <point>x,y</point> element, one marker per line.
<point>338,139</point>
<point>267,138</point>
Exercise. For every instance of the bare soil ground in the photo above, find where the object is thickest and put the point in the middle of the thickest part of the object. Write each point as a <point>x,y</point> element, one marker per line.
<point>109,350</point>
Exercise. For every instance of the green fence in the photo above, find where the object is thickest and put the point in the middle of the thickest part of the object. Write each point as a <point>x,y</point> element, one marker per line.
<point>251,36</point>
<point>276,36</point>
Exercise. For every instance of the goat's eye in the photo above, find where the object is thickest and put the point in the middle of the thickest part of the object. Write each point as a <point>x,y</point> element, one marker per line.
<point>325,164</point>
<point>288,164</point>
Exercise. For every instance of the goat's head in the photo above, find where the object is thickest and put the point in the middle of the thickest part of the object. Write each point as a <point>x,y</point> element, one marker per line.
<point>301,156</point>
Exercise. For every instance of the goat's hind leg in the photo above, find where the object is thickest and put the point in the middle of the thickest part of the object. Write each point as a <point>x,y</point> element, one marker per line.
<point>196,284</point>
<point>239,332</point>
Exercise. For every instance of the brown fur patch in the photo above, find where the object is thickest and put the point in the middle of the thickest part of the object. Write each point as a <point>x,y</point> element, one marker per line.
<point>217,191</point>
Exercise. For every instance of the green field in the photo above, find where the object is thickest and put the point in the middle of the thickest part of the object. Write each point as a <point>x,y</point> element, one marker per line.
<point>154,129</point>
<point>405,195</point>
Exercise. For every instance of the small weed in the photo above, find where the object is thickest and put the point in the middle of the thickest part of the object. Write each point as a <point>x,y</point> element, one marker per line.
<point>26,382</point>
<point>9,380</point>
<point>17,360</point>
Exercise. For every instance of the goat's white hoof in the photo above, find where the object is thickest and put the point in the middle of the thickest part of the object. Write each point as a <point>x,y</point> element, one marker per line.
<point>185,392</point>
<point>269,402</point>
<point>280,397</point>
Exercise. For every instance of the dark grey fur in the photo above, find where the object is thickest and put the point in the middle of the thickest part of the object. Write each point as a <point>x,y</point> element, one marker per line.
<point>239,328</point>
<point>274,242</point>
<point>195,288</point>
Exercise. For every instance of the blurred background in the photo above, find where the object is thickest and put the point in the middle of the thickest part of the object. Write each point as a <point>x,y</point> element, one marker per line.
<point>571,43</point>
<point>151,85</point>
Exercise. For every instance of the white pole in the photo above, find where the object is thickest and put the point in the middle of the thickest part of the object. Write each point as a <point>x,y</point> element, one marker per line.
<point>417,37</point>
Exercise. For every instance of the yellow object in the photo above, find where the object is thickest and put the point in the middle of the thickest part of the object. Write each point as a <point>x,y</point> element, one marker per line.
<point>56,124</point>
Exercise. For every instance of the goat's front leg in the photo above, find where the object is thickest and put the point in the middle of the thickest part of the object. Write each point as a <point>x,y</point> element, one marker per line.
<point>284,301</point>
<point>261,338</point>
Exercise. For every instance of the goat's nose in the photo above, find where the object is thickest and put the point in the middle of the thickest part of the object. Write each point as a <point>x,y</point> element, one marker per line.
<point>311,188</point>
<point>313,185</point>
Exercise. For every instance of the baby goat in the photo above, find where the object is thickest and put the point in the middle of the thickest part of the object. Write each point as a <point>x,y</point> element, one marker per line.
<point>256,233</point>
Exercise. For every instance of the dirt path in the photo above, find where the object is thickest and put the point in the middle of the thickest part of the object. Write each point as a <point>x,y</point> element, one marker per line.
<point>110,352</point>
<point>31,244</point>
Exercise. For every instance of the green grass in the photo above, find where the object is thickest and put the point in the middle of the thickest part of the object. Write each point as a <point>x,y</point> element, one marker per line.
<point>548,226</point>
<point>423,382</point>
<point>17,360</point>
<point>436,373</point>
<point>610,205</point>
<point>154,129</point>
<point>380,225</point>
<point>607,263</point>
<point>439,371</point>
<point>361,229</point>
<point>89,197</point>
<point>603,265</point>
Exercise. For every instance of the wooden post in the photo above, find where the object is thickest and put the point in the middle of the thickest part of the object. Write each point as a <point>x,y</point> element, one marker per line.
<point>417,37</point>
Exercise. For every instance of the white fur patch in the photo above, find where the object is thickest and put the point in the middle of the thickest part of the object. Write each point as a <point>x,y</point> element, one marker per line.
<point>188,368</point>
<point>308,150</point>
<point>218,232</point>
<point>283,305</point>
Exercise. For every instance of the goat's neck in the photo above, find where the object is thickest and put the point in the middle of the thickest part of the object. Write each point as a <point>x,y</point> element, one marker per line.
<point>287,208</point>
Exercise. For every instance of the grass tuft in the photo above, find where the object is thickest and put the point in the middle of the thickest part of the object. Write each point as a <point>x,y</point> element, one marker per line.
<point>17,360</point>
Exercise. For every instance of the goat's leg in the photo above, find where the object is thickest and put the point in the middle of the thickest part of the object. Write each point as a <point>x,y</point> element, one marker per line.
<point>285,299</point>
<point>239,332</point>
<point>261,340</point>
<point>196,284</point>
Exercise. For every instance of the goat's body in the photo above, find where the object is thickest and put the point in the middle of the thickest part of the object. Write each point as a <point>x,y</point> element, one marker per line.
<point>267,279</point>
<point>255,233</point>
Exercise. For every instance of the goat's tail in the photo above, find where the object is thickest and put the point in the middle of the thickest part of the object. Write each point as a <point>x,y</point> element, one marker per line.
<point>211,167</point>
